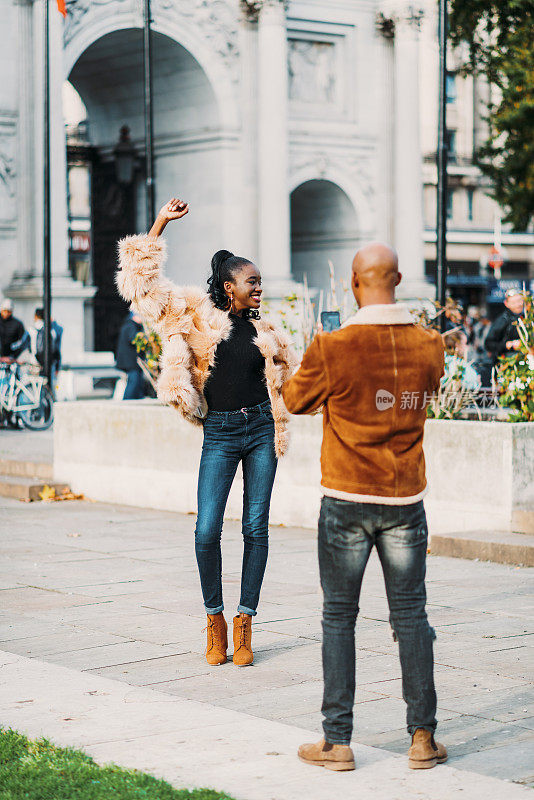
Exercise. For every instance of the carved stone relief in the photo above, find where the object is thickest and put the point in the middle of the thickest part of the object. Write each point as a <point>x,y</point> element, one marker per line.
<point>8,172</point>
<point>312,71</point>
<point>78,9</point>
<point>252,8</point>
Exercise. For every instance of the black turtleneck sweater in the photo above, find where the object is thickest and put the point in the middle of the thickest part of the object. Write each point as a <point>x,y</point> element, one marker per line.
<point>237,380</point>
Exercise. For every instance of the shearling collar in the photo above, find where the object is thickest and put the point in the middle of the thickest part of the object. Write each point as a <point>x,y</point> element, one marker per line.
<point>381,314</point>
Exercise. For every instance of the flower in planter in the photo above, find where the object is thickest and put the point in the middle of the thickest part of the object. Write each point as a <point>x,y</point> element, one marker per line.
<point>514,372</point>
<point>148,346</point>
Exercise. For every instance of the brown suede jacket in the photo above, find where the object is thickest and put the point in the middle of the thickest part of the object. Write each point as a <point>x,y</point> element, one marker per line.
<point>374,378</point>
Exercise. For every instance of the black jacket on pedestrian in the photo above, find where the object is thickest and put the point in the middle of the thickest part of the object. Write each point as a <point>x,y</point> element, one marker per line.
<point>12,339</point>
<point>126,354</point>
<point>502,330</point>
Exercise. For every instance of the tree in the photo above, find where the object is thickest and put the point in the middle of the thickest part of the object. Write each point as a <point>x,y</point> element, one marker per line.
<point>499,35</point>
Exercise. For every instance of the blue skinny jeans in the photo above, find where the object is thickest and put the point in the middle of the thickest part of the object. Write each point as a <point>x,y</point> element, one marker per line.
<point>230,437</point>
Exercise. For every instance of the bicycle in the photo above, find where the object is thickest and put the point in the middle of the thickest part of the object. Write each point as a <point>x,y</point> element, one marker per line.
<point>25,397</point>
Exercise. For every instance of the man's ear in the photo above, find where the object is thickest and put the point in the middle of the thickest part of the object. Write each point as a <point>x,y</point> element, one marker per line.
<point>398,278</point>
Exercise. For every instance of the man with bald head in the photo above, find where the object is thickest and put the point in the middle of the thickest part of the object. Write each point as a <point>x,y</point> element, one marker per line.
<point>373,379</point>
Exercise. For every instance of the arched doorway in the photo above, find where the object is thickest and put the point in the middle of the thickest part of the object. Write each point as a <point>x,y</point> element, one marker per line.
<point>108,77</point>
<point>323,228</point>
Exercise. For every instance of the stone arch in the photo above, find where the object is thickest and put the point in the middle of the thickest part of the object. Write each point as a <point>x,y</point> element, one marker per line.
<point>98,25</point>
<point>358,189</point>
<point>324,226</point>
<point>189,158</point>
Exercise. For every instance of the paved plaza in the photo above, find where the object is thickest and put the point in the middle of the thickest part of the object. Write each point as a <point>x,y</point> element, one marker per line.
<point>97,599</point>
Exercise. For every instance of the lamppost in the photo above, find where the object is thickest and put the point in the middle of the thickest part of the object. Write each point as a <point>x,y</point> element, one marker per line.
<point>442,158</point>
<point>148,113</point>
<point>47,277</point>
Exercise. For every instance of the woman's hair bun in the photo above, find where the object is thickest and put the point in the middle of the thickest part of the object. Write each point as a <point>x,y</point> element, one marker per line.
<point>219,258</point>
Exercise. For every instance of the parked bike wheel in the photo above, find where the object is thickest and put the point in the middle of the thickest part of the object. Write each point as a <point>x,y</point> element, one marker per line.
<point>41,416</point>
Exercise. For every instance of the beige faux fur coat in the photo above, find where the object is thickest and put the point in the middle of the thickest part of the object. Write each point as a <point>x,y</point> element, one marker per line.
<point>190,328</point>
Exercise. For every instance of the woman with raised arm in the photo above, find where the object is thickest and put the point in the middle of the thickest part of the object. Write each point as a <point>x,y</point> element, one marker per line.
<point>222,367</point>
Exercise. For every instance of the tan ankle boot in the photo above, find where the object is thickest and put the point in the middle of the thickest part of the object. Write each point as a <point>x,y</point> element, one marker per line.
<point>217,640</point>
<point>338,757</point>
<point>425,753</point>
<point>243,655</point>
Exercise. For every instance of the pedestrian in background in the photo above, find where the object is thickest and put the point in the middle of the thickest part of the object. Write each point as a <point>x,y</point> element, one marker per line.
<point>37,344</point>
<point>126,356</point>
<point>13,337</point>
<point>502,338</point>
<point>456,363</point>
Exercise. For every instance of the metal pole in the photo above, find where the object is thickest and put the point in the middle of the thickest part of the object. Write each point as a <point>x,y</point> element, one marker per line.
<point>148,115</point>
<point>47,279</point>
<point>442,158</point>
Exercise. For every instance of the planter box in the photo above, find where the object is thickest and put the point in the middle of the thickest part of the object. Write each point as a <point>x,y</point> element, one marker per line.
<point>141,453</point>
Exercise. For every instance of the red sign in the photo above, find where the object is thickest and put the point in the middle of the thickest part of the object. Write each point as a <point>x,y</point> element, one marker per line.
<point>495,260</point>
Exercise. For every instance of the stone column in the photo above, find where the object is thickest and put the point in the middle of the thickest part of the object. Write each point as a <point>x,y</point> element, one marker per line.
<point>58,152</point>
<point>273,211</point>
<point>408,177</point>
<point>248,40</point>
<point>385,33</point>
<point>26,207</point>
<point>26,288</point>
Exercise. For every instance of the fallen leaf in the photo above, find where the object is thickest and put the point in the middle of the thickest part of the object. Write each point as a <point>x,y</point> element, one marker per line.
<point>47,493</point>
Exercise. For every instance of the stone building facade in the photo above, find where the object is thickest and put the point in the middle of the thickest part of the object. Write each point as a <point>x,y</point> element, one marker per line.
<point>292,128</point>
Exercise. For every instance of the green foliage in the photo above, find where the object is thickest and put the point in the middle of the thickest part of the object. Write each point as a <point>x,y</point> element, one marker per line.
<point>499,34</point>
<point>515,373</point>
<point>38,770</point>
<point>148,346</point>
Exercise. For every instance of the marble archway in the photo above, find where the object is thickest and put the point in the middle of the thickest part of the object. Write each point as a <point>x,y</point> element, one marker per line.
<point>324,227</point>
<point>188,162</point>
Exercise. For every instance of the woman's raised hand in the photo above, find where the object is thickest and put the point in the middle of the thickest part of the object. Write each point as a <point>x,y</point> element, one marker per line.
<point>174,209</point>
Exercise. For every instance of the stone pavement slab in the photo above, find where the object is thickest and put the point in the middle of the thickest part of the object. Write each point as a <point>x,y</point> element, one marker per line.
<point>196,744</point>
<point>24,445</point>
<point>114,592</point>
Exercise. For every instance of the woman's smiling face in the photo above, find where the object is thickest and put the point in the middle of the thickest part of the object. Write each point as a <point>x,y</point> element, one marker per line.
<point>245,288</point>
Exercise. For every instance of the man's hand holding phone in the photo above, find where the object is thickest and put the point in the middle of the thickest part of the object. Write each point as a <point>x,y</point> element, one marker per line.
<point>330,321</point>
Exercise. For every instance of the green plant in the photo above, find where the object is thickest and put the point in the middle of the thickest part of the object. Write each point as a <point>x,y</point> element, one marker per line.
<point>498,34</point>
<point>515,372</point>
<point>38,770</point>
<point>148,346</point>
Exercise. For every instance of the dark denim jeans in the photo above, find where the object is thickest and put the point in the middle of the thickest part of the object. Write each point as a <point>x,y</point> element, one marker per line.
<point>347,533</point>
<point>231,437</point>
<point>135,385</point>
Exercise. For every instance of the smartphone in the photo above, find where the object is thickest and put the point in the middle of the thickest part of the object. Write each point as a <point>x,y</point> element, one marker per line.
<point>330,320</point>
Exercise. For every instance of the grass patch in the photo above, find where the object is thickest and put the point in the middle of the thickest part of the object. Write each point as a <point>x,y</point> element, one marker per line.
<point>38,770</point>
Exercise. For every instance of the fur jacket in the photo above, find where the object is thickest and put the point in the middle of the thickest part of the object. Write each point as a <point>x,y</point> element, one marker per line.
<point>191,327</point>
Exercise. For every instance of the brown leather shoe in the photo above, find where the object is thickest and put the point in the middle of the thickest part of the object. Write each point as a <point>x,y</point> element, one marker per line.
<point>338,757</point>
<point>243,655</point>
<point>425,752</point>
<point>217,640</point>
